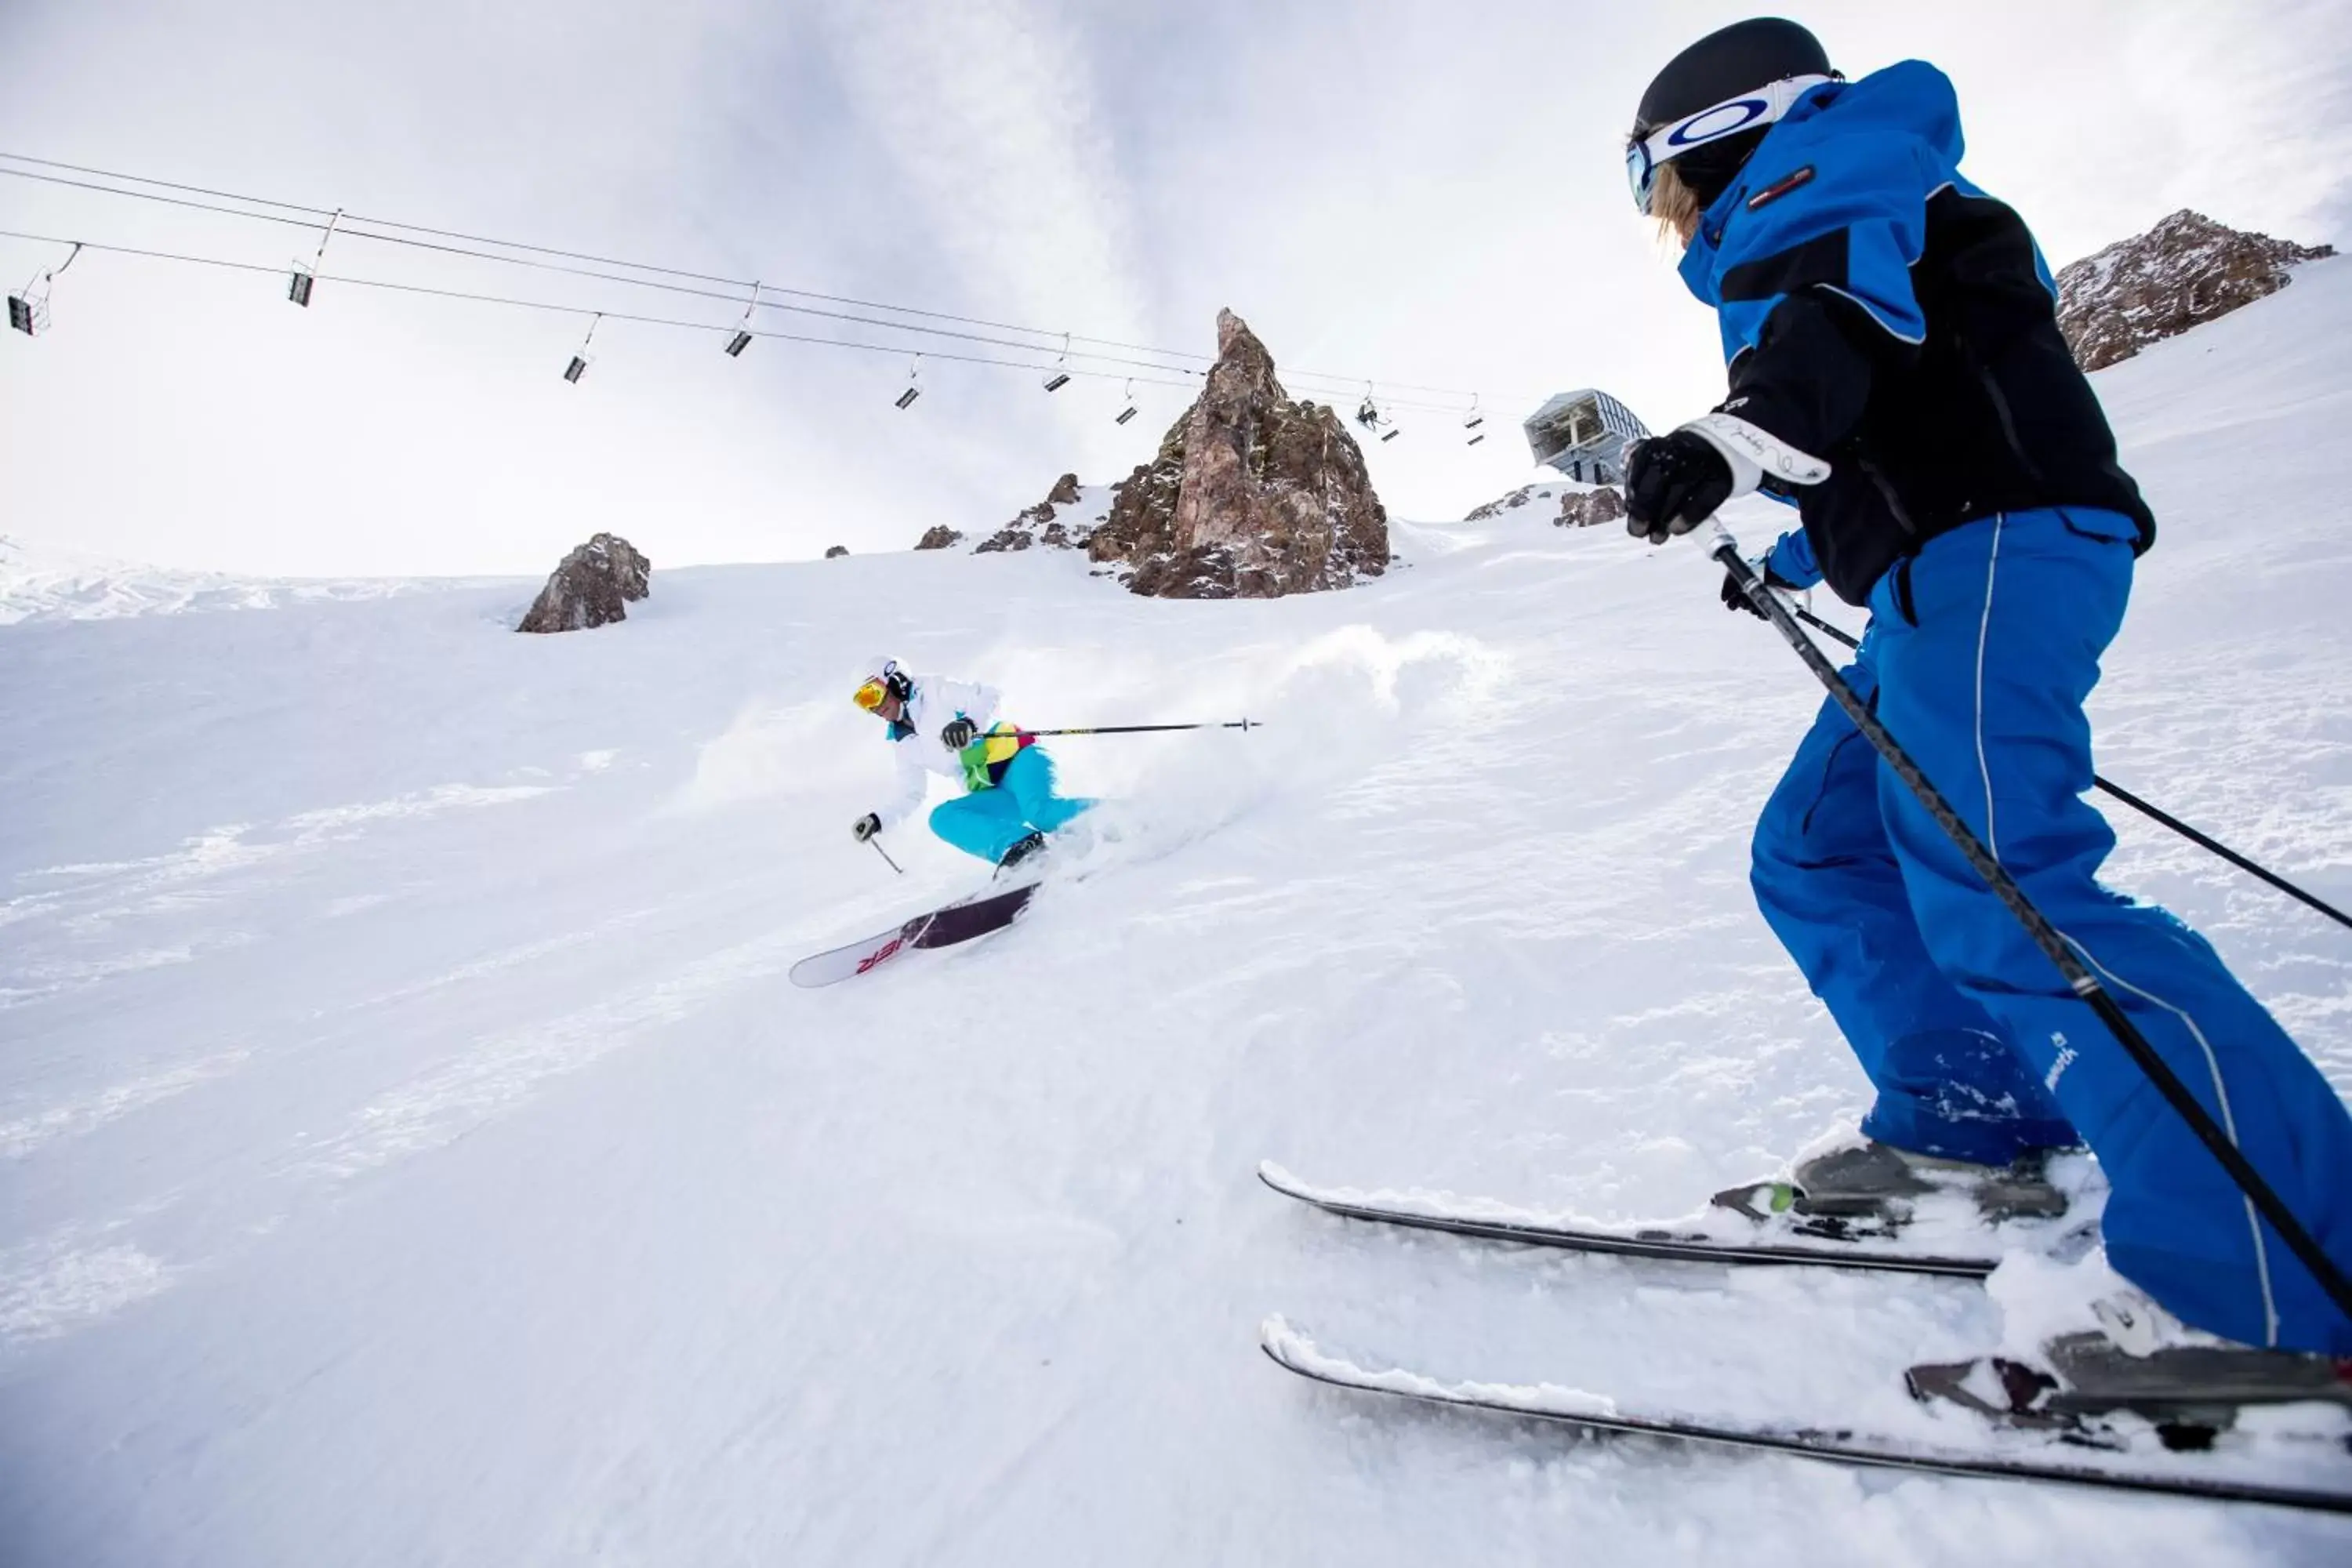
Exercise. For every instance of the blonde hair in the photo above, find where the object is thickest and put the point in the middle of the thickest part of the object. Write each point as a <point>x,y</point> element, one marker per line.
<point>1675,207</point>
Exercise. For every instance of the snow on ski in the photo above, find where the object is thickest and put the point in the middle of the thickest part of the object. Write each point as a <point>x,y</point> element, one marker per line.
<point>1711,1236</point>
<point>1295,1351</point>
<point>960,921</point>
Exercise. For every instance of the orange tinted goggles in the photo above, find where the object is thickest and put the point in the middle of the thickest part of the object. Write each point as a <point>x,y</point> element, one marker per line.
<point>872,695</point>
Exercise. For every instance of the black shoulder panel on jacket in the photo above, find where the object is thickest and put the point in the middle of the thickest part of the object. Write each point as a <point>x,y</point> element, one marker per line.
<point>1820,259</point>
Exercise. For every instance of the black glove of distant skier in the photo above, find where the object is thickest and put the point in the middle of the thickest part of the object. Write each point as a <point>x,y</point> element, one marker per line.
<point>866,828</point>
<point>1733,599</point>
<point>958,735</point>
<point>1672,483</point>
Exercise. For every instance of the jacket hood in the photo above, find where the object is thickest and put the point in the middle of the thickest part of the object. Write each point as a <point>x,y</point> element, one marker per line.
<point>1911,100</point>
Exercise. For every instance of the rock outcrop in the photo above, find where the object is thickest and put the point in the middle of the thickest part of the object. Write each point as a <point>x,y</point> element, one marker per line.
<point>1579,506</point>
<point>590,587</point>
<point>939,538</point>
<point>835,552</point>
<point>1038,524</point>
<point>1512,502</point>
<point>1251,496</point>
<point>1582,508</point>
<point>2186,270</point>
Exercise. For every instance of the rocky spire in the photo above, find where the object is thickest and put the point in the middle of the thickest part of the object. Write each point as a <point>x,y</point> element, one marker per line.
<point>1251,495</point>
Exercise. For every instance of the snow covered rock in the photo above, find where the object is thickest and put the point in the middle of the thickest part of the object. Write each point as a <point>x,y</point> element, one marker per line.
<point>939,538</point>
<point>2186,270</point>
<point>1038,524</point>
<point>590,587</point>
<point>1582,508</point>
<point>1251,495</point>
<point>1512,502</point>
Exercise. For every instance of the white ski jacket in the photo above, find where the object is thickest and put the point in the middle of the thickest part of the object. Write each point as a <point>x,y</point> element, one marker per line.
<point>936,701</point>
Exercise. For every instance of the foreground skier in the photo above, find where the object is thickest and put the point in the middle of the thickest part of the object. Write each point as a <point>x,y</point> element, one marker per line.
<point>1896,367</point>
<point>949,727</point>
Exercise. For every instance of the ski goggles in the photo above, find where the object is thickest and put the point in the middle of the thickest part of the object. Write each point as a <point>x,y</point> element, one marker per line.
<point>1646,154</point>
<point>879,689</point>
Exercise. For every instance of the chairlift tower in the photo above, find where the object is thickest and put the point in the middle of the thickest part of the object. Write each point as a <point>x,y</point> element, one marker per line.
<point>1584,435</point>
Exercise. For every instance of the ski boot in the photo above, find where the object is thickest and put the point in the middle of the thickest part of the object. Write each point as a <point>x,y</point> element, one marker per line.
<point>1023,849</point>
<point>1872,1189</point>
<point>2191,1391</point>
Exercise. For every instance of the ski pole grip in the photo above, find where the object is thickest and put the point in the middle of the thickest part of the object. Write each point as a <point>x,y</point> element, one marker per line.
<point>1717,541</point>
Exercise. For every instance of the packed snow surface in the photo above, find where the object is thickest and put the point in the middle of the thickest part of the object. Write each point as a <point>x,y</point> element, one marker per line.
<point>415,1153</point>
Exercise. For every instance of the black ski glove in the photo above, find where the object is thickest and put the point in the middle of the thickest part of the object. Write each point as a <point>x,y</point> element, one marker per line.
<point>958,735</point>
<point>1733,599</point>
<point>1672,483</point>
<point>866,828</point>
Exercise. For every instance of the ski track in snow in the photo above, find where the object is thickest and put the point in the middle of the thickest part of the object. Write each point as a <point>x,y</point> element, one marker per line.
<point>415,1152</point>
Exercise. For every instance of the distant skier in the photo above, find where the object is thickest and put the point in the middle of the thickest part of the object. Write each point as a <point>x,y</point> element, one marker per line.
<point>950,728</point>
<point>1897,369</point>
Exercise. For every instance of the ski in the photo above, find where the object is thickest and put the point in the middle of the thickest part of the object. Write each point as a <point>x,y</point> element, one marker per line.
<point>960,921</point>
<point>1712,1237</point>
<point>1294,1352</point>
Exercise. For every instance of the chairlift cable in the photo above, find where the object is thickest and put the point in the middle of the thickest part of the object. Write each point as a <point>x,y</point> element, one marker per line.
<point>1297,377</point>
<point>427,290</point>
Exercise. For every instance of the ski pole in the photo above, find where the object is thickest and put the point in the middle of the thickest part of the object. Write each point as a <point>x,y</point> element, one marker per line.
<point>2144,808</point>
<point>885,856</point>
<point>1724,550</point>
<point>1150,728</point>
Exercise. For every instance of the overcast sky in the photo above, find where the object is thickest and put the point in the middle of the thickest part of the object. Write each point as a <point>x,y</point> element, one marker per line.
<point>1425,193</point>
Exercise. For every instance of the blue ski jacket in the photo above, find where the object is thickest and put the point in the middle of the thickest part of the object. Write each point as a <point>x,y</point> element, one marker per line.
<point>1880,312</point>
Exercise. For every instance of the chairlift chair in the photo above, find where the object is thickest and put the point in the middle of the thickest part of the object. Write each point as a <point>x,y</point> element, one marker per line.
<point>305,276</point>
<point>28,310</point>
<point>914,385</point>
<point>742,338</point>
<point>1126,403</point>
<point>582,359</point>
<point>1059,376</point>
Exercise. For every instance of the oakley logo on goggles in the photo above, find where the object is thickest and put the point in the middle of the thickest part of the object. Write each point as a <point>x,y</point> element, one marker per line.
<point>1713,123</point>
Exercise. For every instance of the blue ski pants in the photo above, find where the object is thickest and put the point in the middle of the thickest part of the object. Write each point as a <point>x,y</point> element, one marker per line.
<point>1981,653</point>
<point>988,821</point>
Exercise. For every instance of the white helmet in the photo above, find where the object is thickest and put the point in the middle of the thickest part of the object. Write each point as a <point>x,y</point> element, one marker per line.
<point>878,681</point>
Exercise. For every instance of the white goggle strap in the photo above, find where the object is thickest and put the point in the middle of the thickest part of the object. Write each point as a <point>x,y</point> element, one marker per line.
<point>1713,123</point>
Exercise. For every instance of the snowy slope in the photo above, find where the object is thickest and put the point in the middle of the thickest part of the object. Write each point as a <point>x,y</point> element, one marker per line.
<point>415,1153</point>
<point>40,583</point>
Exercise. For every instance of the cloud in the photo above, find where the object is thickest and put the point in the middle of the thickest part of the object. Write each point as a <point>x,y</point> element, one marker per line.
<point>988,109</point>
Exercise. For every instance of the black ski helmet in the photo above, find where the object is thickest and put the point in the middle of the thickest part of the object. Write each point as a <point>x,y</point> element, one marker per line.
<point>1725,64</point>
<point>1739,59</point>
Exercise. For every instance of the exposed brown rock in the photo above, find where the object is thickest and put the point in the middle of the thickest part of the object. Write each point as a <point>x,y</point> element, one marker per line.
<point>938,538</point>
<point>835,552</point>
<point>1037,525</point>
<point>590,587</point>
<point>1582,508</point>
<point>1517,498</point>
<point>1251,495</point>
<point>2186,270</point>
